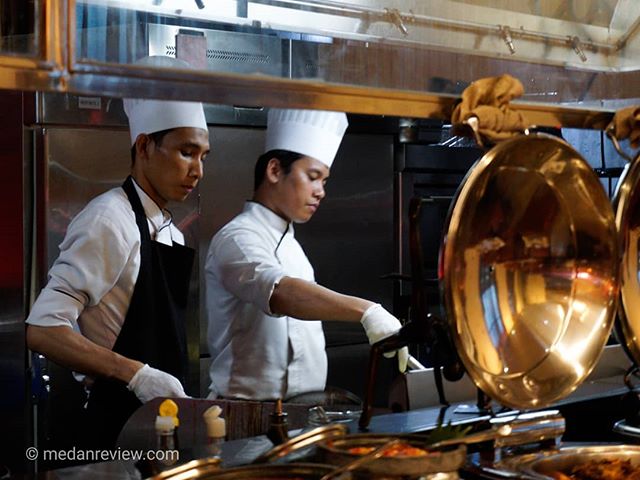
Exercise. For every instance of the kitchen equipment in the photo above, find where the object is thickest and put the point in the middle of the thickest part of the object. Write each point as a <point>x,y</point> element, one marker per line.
<point>530,270</point>
<point>302,441</point>
<point>541,465</point>
<point>444,460</point>
<point>336,447</point>
<point>331,405</point>
<point>210,469</point>
<point>445,455</point>
<point>626,203</point>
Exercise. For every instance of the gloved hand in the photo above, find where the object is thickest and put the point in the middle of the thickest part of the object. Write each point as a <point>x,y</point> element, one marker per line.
<point>149,383</point>
<point>379,324</point>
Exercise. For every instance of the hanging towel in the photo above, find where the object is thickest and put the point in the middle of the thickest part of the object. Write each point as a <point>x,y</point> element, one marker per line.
<point>488,100</point>
<point>626,123</point>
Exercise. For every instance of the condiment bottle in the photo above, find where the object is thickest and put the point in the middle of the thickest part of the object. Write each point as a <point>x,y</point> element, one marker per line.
<point>166,440</point>
<point>167,423</point>
<point>278,432</point>
<point>216,430</point>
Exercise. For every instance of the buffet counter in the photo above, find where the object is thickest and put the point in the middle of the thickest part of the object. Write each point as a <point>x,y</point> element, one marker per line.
<point>589,412</point>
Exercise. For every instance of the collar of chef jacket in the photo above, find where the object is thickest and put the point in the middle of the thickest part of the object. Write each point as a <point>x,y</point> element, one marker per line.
<point>158,217</point>
<point>270,219</point>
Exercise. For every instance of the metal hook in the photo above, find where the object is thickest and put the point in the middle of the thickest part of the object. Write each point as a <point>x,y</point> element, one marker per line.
<point>474,124</point>
<point>611,133</point>
<point>506,36</point>
<point>396,18</point>
<point>576,44</point>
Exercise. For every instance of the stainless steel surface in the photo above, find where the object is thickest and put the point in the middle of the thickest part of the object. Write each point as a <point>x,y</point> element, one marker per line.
<point>599,35</point>
<point>112,80</point>
<point>513,430</point>
<point>530,267</point>
<point>376,90</point>
<point>226,51</point>
<point>528,428</point>
<point>540,465</point>
<point>627,429</point>
<point>610,369</point>
<point>66,109</point>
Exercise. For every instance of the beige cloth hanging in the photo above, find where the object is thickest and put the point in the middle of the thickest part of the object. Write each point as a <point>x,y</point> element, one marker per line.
<point>488,100</point>
<point>626,124</point>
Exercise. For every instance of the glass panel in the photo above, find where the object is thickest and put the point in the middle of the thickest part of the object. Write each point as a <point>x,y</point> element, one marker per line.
<point>18,27</point>
<point>578,51</point>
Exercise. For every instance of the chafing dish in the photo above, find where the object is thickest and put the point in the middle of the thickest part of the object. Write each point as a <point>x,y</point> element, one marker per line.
<point>541,465</point>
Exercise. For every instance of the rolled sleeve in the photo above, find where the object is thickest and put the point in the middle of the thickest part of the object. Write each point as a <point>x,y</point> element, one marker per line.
<point>92,257</point>
<point>246,268</point>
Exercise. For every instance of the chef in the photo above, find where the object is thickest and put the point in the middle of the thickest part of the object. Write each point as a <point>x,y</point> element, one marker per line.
<point>113,308</point>
<point>263,304</point>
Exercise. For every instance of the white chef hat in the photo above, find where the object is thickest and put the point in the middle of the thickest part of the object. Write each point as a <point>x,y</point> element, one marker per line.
<point>150,116</point>
<point>313,133</point>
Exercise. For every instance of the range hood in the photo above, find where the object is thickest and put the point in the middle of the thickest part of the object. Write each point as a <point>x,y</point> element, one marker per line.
<point>596,35</point>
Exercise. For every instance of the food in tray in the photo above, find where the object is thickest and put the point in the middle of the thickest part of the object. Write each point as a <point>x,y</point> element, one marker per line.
<point>399,450</point>
<point>600,470</point>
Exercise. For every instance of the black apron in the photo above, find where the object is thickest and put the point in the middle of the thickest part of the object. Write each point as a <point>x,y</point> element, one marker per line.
<point>153,331</point>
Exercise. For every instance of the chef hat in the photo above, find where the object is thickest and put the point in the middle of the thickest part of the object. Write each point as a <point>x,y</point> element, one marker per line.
<point>150,116</point>
<point>313,133</point>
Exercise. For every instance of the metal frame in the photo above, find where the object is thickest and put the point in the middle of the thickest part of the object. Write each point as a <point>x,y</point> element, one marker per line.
<point>47,70</point>
<point>246,90</point>
<point>56,69</point>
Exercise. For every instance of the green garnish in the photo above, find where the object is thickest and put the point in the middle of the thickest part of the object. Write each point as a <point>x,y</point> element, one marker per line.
<point>447,432</point>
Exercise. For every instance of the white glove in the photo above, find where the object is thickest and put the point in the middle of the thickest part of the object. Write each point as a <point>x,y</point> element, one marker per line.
<point>379,324</point>
<point>149,383</point>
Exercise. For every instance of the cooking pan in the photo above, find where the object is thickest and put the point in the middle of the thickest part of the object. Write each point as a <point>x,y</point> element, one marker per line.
<point>529,270</point>
<point>626,202</point>
<point>544,464</point>
<point>334,444</point>
<point>447,459</point>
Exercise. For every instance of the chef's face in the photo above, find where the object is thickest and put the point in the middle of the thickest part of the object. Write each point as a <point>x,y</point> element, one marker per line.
<point>300,191</point>
<point>168,170</point>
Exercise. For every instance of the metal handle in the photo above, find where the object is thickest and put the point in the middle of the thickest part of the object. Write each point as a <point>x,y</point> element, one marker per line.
<point>611,133</point>
<point>301,441</point>
<point>517,429</point>
<point>479,437</point>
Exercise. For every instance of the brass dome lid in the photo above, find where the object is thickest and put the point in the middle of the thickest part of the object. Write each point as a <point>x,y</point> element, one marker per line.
<point>530,270</point>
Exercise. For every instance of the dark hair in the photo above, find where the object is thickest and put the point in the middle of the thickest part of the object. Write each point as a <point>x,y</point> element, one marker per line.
<point>156,137</point>
<point>285,157</point>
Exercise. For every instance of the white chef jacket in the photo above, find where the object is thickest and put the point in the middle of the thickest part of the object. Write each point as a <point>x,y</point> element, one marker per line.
<point>256,354</point>
<point>91,283</point>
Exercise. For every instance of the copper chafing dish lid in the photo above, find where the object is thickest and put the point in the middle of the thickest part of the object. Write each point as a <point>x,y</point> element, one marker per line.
<point>210,469</point>
<point>626,203</point>
<point>530,270</point>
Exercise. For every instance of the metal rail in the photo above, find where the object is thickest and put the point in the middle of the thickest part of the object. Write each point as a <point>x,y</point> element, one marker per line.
<point>234,89</point>
<point>54,69</point>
